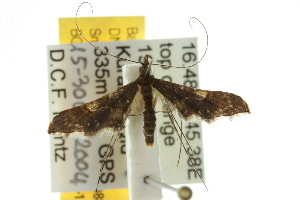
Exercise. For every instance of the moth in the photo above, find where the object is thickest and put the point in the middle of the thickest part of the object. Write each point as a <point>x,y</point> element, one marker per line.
<point>109,113</point>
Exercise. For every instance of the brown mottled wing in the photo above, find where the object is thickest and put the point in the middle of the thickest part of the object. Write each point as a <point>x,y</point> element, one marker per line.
<point>106,113</point>
<point>202,103</point>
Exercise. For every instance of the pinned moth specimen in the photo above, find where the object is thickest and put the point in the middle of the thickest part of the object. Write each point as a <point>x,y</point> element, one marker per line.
<point>110,112</point>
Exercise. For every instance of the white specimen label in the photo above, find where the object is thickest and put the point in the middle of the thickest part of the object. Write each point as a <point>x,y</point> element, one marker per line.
<point>78,74</point>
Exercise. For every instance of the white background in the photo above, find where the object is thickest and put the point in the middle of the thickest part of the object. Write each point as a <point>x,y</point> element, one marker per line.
<point>254,51</point>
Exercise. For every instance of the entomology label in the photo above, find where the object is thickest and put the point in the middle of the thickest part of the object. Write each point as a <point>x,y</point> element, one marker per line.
<point>78,73</point>
<point>101,29</point>
<point>120,194</point>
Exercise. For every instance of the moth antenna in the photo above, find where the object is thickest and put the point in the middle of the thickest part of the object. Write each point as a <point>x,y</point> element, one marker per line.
<point>206,40</point>
<point>175,123</point>
<point>107,154</point>
<point>118,57</point>
<point>90,42</point>
<point>196,63</point>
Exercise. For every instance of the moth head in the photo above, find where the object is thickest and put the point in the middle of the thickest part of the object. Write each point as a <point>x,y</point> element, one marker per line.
<point>146,66</point>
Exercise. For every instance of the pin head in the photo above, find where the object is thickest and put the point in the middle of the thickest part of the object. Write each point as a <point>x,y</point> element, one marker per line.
<point>184,193</point>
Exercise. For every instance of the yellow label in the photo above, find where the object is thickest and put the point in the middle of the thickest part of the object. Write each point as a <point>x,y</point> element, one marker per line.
<point>120,194</point>
<point>101,29</point>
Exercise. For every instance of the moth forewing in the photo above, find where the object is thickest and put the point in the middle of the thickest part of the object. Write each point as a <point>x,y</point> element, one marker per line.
<point>207,105</point>
<point>107,113</point>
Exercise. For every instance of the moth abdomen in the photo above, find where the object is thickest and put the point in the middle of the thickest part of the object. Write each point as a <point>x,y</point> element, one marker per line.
<point>149,114</point>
